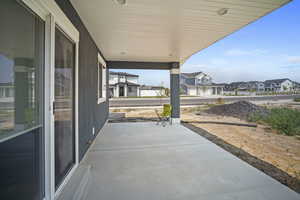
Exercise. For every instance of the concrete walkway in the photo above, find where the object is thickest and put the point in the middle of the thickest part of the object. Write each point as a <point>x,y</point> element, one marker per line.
<point>142,161</point>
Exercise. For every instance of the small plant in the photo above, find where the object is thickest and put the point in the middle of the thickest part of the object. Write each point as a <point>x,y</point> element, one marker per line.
<point>220,101</point>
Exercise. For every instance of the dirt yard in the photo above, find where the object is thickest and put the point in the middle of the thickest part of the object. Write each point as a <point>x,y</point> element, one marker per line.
<point>262,142</point>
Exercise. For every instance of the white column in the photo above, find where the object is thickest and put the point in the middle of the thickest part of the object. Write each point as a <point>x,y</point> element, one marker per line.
<point>117,91</point>
<point>125,90</point>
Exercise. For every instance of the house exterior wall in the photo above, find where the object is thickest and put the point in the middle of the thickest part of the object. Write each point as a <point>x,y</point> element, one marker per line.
<point>192,92</point>
<point>286,86</point>
<point>132,91</point>
<point>113,79</point>
<point>204,91</point>
<point>132,79</point>
<point>199,84</point>
<point>203,79</point>
<point>122,79</point>
<point>91,114</point>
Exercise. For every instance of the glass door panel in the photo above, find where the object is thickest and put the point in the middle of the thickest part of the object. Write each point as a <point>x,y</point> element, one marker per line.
<point>64,106</point>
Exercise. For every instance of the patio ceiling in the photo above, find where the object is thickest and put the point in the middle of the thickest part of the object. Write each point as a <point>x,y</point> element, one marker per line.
<point>165,30</point>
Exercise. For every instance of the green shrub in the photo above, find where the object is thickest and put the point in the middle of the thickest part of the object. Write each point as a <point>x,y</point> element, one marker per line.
<point>284,120</point>
<point>297,99</point>
<point>256,117</point>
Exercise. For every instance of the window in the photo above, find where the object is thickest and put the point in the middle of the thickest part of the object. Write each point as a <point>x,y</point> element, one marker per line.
<point>101,80</point>
<point>21,69</point>
<point>21,96</point>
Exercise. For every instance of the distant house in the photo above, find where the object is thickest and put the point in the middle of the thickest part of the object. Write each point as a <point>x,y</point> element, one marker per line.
<point>254,86</point>
<point>199,84</point>
<point>123,84</point>
<point>146,91</point>
<point>296,86</point>
<point>279,85</point>
<point>6,90</point>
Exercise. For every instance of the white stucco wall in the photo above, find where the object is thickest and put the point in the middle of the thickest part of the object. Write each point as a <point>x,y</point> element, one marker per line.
<point>148,93</point>
<point>204,91</point>
<point>286,84</point>
<point>132,79</point>
<point>192,92</point>
<point>113,79</point>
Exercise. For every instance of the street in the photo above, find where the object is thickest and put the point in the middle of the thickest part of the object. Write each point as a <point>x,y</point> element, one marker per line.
<point>140,102</point>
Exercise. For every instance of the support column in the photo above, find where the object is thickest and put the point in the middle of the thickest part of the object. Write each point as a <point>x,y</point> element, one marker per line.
<point>138,91</point>
<point>117,91</point>
<point>125,90</point>
<point>175,92</point>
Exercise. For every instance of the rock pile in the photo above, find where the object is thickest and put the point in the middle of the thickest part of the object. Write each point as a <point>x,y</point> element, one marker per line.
<point>240,109</point>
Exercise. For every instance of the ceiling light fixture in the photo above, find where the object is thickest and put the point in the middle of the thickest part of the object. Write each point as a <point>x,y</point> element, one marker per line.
<point>120,2</point>
<point>222,11</point>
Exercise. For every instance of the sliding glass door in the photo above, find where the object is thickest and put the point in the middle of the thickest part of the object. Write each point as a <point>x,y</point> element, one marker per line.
<point>22,39</point>
<point>64,109</point>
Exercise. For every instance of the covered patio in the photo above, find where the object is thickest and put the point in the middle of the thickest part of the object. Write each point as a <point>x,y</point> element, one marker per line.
<point>144,161</point>
<point>162,35</point>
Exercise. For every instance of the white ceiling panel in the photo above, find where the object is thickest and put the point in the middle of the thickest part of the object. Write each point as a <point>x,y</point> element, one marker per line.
<point>165,30</point>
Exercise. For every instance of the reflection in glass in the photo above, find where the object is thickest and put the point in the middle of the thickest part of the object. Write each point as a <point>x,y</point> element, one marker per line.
<point>21,102</point>
<point>21,58</point>
<point>64,106</point>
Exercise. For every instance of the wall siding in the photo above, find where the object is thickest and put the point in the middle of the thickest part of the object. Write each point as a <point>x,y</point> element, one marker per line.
<point>91,114</point>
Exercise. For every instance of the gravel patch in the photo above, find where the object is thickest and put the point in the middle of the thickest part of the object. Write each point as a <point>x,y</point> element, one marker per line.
<point>240,109</point>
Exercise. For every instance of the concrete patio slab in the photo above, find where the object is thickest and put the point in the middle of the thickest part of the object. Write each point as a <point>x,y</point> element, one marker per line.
<point>144,161</point>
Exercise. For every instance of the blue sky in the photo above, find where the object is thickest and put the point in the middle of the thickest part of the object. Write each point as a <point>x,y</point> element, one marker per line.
<point>266,49</point>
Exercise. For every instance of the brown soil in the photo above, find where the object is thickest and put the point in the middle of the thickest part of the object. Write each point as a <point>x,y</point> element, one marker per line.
<point>279,150</point>
<point>267,168</point>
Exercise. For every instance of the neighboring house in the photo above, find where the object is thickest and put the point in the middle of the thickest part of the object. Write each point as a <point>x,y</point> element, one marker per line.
<point>6,90</point>
<point>147,91</point>
<point>254,86</point>
<point>6,78</point>
<point>279,85</point>
<point>296,86</point>
<point>123,84</point>
<point>199,84</point>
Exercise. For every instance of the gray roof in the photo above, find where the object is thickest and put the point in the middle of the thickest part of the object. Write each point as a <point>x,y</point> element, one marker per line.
<point>122,74</point>
<point>191,75</point>
<point>277,81</point>
<point>125,83</point>
<point>150,87</point>
<point>296,84</point>
<point>204,85</point>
